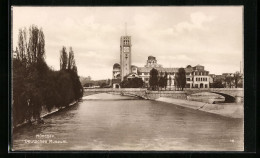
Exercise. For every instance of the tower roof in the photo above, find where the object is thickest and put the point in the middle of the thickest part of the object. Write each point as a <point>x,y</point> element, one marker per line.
<point>151,58</point>
<point>116,65</point>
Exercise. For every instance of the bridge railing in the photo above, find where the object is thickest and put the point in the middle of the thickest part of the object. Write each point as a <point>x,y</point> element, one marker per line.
<point>113,89</point>
<point>214,89</point>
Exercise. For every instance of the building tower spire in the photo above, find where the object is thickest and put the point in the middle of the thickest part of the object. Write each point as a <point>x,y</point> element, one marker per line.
<point>126,29</point>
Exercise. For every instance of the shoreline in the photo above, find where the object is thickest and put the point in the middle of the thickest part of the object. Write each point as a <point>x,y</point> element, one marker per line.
<point>44,115</point>
<point>235,111</point>
<point>230,110</point>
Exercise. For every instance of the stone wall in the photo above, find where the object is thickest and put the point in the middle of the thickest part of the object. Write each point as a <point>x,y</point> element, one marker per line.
<point>171,94</point>
<point>236,94</point>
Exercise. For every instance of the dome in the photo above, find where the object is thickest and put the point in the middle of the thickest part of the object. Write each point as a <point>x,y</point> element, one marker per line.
<point>116,65</point>
<point>151,58</point>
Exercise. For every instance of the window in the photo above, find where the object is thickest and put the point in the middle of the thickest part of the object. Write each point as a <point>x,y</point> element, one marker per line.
<point>188,79</point>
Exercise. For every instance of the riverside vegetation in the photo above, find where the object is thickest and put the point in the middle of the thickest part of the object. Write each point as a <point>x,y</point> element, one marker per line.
<point>35,84</point>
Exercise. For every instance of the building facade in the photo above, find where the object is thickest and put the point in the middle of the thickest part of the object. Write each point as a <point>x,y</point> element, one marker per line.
<point>196,77</point>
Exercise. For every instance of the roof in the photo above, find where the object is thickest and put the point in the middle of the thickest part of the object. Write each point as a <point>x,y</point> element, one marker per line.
<point>148,69</point>
<point>190,69</point>
<point>151,58</point>
<point>116,65</point>
<point>198,65</point>
<point>132,74</point>
<point>168,70</point>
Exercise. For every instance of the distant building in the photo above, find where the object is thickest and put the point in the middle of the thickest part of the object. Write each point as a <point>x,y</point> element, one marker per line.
<point>198,77</point>
<point>116,77</point>
<point>152,62</point>
<point>228,79</point>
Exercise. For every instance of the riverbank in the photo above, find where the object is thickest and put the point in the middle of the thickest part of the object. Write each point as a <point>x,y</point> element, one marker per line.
<point>43,114</point>
<point>226,110</point>
<point>231,110</point>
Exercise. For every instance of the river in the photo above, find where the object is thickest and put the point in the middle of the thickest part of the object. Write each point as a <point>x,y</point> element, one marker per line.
<point>125,123</point>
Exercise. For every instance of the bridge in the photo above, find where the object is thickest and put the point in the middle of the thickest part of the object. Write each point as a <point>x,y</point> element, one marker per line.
<point>230,94</point>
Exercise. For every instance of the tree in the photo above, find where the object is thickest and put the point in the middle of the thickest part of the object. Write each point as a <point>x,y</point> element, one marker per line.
<point>228,80</point>
<point>108,81</point>
<point>137,83</point>
<point>170,81</point>
<point>36,45</point>
<point>63,59</point>
<point>161,80</point>
<point>132,83</point>
<point>165,79</point>
<point>181,78</point>
<point>237,77</point>
<point>217,84</point>
<point>176,81</point>
<point>22,45</point>
<point>35,85</point>
<point>124,84</point>
<point>153,81</point>
<point>71,60</point>
<point>29,81</point>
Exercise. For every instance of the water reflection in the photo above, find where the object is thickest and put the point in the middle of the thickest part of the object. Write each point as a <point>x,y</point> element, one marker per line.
<point>133,125</point>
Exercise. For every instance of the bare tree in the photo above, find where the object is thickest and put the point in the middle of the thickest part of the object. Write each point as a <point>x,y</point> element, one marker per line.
<point>63,59</point>
<point>71,60</point>
<point>22,45</point>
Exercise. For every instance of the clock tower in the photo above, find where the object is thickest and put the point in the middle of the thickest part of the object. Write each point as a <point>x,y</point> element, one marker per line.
<point>125,56</point>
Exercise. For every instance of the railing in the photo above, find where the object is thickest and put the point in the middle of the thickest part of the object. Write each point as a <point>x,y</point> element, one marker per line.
<point>215,89</point>
<point>144,89</point>
<point>114,89</point>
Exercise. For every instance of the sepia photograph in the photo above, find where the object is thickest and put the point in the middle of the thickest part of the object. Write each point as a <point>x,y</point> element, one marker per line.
<point>150,78</point>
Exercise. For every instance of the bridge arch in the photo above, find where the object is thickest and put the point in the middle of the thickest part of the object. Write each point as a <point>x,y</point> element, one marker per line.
<point>228,98</point>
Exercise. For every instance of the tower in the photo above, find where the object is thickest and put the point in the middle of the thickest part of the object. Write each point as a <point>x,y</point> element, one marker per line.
<point>125,55</point>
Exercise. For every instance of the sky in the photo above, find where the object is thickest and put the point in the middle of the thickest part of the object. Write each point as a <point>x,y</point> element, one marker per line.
<point>176,36</point>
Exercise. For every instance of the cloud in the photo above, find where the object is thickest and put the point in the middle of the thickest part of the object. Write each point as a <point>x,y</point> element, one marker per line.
<point>196,22</point>
<point>177,36</point>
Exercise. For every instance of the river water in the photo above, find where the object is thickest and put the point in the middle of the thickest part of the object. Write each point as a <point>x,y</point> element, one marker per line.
<point>125,123</point>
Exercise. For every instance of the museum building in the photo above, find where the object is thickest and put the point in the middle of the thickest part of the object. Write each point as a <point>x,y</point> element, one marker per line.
<point>196,77</point>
